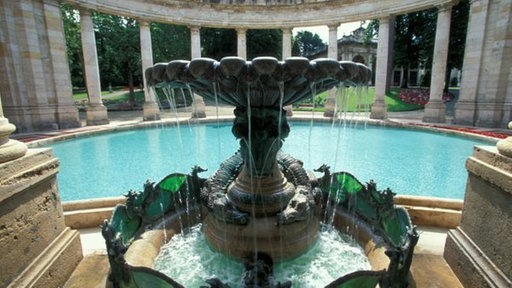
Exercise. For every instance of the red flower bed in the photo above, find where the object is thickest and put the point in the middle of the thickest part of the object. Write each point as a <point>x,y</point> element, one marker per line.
<point>420,96</point>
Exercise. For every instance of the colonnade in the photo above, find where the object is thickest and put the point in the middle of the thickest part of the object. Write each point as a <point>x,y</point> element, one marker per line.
<point>434,111</point>
<point>97,112</point>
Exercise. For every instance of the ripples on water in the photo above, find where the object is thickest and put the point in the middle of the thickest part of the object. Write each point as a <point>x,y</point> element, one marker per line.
<point>187,258</point>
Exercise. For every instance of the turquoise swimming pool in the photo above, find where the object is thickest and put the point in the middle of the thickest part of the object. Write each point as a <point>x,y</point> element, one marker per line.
<point>410,162</point>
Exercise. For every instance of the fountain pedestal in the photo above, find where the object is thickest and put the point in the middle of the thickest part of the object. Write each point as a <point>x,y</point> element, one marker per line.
<point>261,196</point>
<point>261,234</point>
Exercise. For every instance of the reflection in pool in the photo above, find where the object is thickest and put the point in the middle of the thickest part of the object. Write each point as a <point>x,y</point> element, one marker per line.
<point>410,162</point>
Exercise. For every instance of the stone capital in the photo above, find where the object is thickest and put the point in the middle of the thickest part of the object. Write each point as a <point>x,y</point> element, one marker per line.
<point>144,23</point>
<point>445,7</point>
<point>333,26</point>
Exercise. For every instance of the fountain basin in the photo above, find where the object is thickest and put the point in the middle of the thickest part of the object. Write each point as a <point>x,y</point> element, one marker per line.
<point>369,216</point>
<point>144,250</point>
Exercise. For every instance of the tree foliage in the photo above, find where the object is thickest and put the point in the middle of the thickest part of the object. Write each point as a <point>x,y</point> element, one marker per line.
<point>264,42</point>
<point>305,43</point>
<point>217,43</point>
<point>170,42</point>
<point>71,21</point>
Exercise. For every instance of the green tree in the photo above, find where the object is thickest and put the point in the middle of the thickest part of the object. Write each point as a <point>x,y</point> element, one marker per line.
<point>305,43</point>
<point>71,24</point>
<point>169,42</point>
<point>217,43</point>
<point>118,44</point>
<point>264,42</point>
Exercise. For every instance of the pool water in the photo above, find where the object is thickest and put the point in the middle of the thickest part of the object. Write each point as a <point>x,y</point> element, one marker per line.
<point>409,162</point>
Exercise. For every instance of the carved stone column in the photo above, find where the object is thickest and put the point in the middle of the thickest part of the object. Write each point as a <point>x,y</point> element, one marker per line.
<point>435,108</point>
<point>66,113</point>
<point>96,111</point>
<point>195,41</point>
<point>382,70</point>
<point>198,106</point>
<point>9,149</point>
<point>287,43</point>
<point>465,108</point>
<point>150,108</point>
<point>35,81</point>
<point>332,52</point>
<point>287,52</point>
<point>241,42</point>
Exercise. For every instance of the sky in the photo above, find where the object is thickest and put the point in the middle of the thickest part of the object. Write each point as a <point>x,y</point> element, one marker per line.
<point>323,31</point>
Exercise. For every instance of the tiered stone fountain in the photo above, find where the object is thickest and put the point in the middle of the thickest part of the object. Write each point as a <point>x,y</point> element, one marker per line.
<point>259,202</point>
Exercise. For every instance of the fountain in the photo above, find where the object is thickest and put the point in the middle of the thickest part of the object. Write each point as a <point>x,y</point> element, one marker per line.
<point>260,206</point>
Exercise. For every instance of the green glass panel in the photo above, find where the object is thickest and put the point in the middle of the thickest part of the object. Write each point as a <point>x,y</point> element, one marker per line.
<point>361,282</point>
<point>163,197</point>
<point>172,183</point>
<point>144,278</point>
<point>396,226</point>
<point>348,183</point>
<point>358,279</point>
<point>364,208</point>
<point>123,224</point>
<point>343,184</point>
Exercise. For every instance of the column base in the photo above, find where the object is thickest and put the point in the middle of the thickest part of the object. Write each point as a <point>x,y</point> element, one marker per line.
<point>471,264</point>
<point>289,110</point>
<point>505,147</point>
<point>151,111</point>
<point>97,115</point>
<point>434,112</point>
<point>330,104</point>
<point>379,110</point>
<point>198,107</point>
<point>67,117</point>
<point>9,149</point>
<point>465,113</point>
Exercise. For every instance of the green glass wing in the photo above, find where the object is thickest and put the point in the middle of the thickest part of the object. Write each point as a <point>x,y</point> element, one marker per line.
<point>342,185</point>
<point>123,225</point>
<point>358,279</point>
<point>164,194</point>
<point>144,278</point>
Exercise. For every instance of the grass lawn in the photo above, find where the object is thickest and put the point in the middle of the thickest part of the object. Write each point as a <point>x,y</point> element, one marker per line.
<point>393,102</point>
<point>117,96</point>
